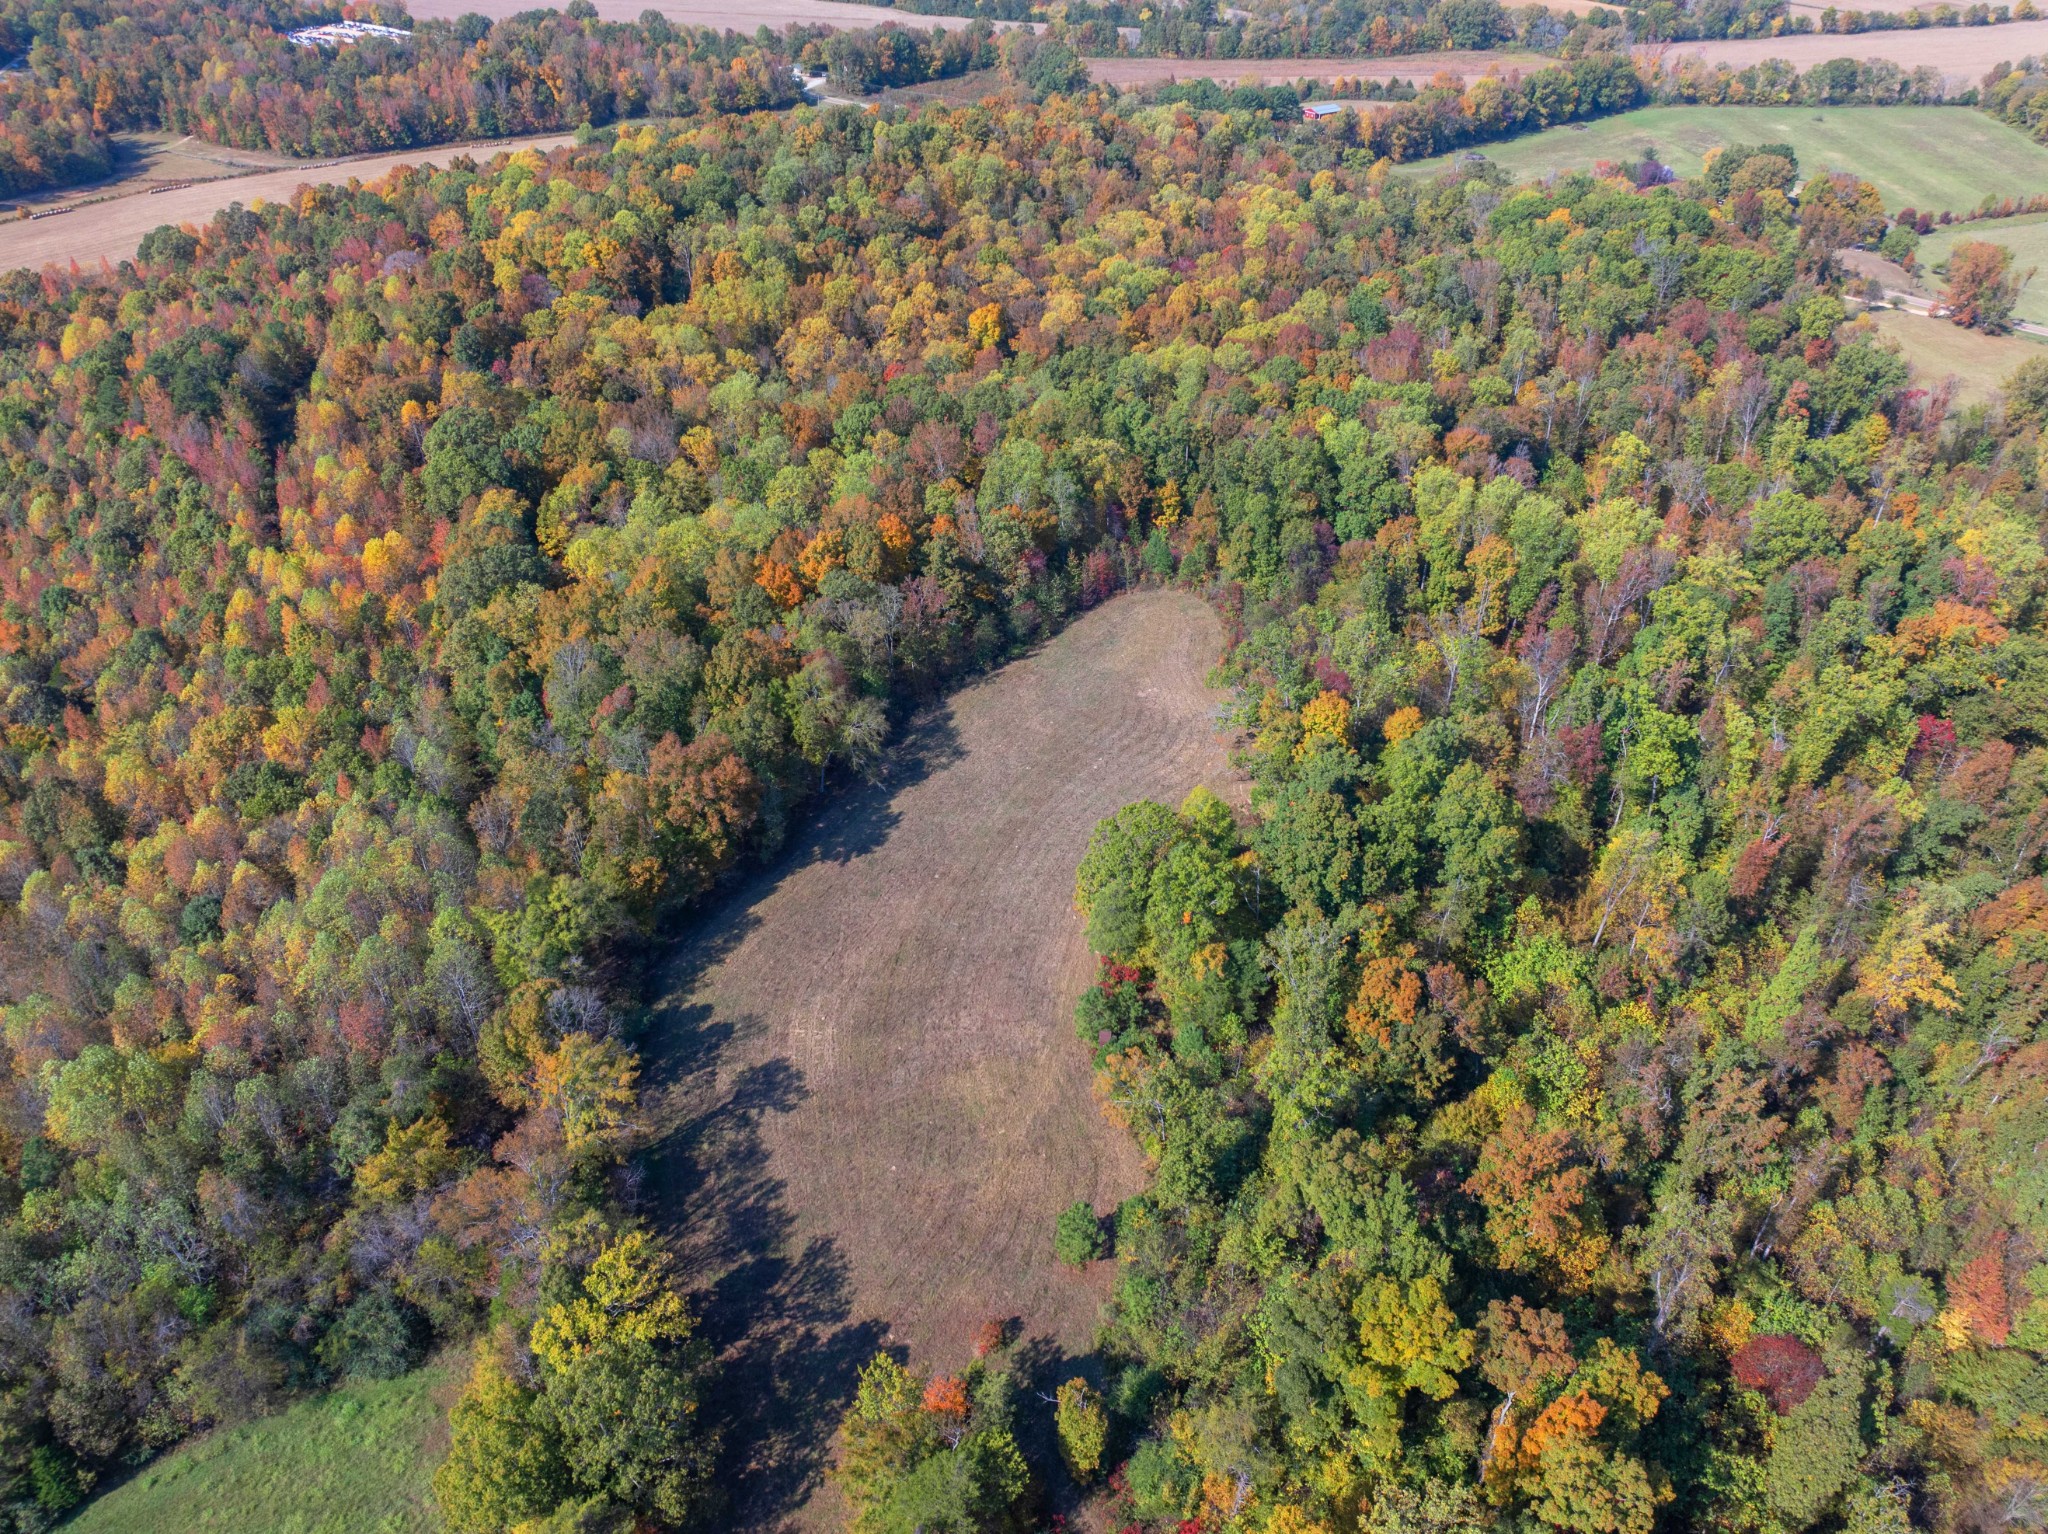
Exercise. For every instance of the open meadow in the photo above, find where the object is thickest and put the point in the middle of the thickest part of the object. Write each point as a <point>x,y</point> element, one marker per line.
<point>355,1461</point>
<point>866,1065</point>
<point>2026,238</point>
<point>1939,350</point>
<point>1925,157</point>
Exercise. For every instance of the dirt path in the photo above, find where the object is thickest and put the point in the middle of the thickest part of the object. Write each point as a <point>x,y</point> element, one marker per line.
<point>867,1058</point>
<point>112,229</point>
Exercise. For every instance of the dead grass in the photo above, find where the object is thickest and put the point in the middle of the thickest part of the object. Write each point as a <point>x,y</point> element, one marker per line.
<point>110,230</point>
<point>866,1063</point>
<point>1962,54</point>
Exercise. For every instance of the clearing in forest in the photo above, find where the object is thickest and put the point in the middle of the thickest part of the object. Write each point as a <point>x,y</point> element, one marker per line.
<point>1923,157</point>
<point>866,1065</point>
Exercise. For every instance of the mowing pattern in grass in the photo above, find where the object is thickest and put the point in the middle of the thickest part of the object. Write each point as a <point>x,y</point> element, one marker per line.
<point>1923,157</point>
<point>356,1461</point>
<point>2026,238</point>
<point>868,1059</point>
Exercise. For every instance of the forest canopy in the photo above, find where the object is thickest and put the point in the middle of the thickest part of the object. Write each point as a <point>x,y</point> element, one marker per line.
<point>1595,1087</point>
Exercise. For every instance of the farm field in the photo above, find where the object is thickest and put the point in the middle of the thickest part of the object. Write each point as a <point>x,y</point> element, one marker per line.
<point>721,14</point>
<point>865,1067</point>
<point>1962,54</point>
<point>111,230</point>
<point>1938,350</point>
<point>356,1461</point>
<point>1925,157</point>
<point>1407,66</point>
<point>143,161</point>
<point>2026,238</point>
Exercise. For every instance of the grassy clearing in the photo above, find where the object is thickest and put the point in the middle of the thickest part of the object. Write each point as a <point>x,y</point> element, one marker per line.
<point>866,1066</point>
<point>2026,238</point>
<point>1938,350</point>
<point>356,1461</point>
<point>1925,157</point>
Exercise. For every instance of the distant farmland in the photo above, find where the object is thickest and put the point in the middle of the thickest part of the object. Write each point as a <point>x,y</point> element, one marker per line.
<point>721,15</point>
<point>1962,54</point>
<point>1925,157</point>
<point>1403,66</point>
<point>111,230</point>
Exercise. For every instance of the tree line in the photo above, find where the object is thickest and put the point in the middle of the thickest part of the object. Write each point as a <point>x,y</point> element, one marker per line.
<point>1598,1084</point>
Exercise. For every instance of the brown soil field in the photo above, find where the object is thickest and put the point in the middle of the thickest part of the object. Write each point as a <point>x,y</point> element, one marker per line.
<point>874,1106</point>
<point>1963,54</point>
<point>1407,66</point>
<point>721,14</point>
<point>111,230</point>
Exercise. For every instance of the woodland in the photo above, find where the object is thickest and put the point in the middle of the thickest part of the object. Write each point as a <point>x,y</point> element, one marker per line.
<point>1596,1085</point>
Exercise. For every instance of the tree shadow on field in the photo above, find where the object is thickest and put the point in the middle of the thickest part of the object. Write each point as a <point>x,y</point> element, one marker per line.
<point>1040,1366</point>
<point>778,1312</point>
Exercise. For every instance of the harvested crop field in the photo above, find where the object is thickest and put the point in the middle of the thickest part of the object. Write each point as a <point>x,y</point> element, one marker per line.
<point>111,230</point>
<point>1962,54</point>
<point>722,15</point>
<point>873,1100</point>
<point>1405,66</point>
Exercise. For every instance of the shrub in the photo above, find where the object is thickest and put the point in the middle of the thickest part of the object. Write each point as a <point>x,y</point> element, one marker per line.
<point>1083,1428</point>
<point>376,1338</point>
<point>1078,1238</point>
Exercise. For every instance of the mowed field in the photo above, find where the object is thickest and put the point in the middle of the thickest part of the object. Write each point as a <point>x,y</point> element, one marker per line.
<point>1926,157</point>
<point>874,1103</point>
<point>356,1461</point>
<point>110,230</point>
<point>2026,238</point>
<point>1938,350</point>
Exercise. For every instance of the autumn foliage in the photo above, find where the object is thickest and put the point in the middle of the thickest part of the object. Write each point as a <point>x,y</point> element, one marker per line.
<point>1783,1368</point>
